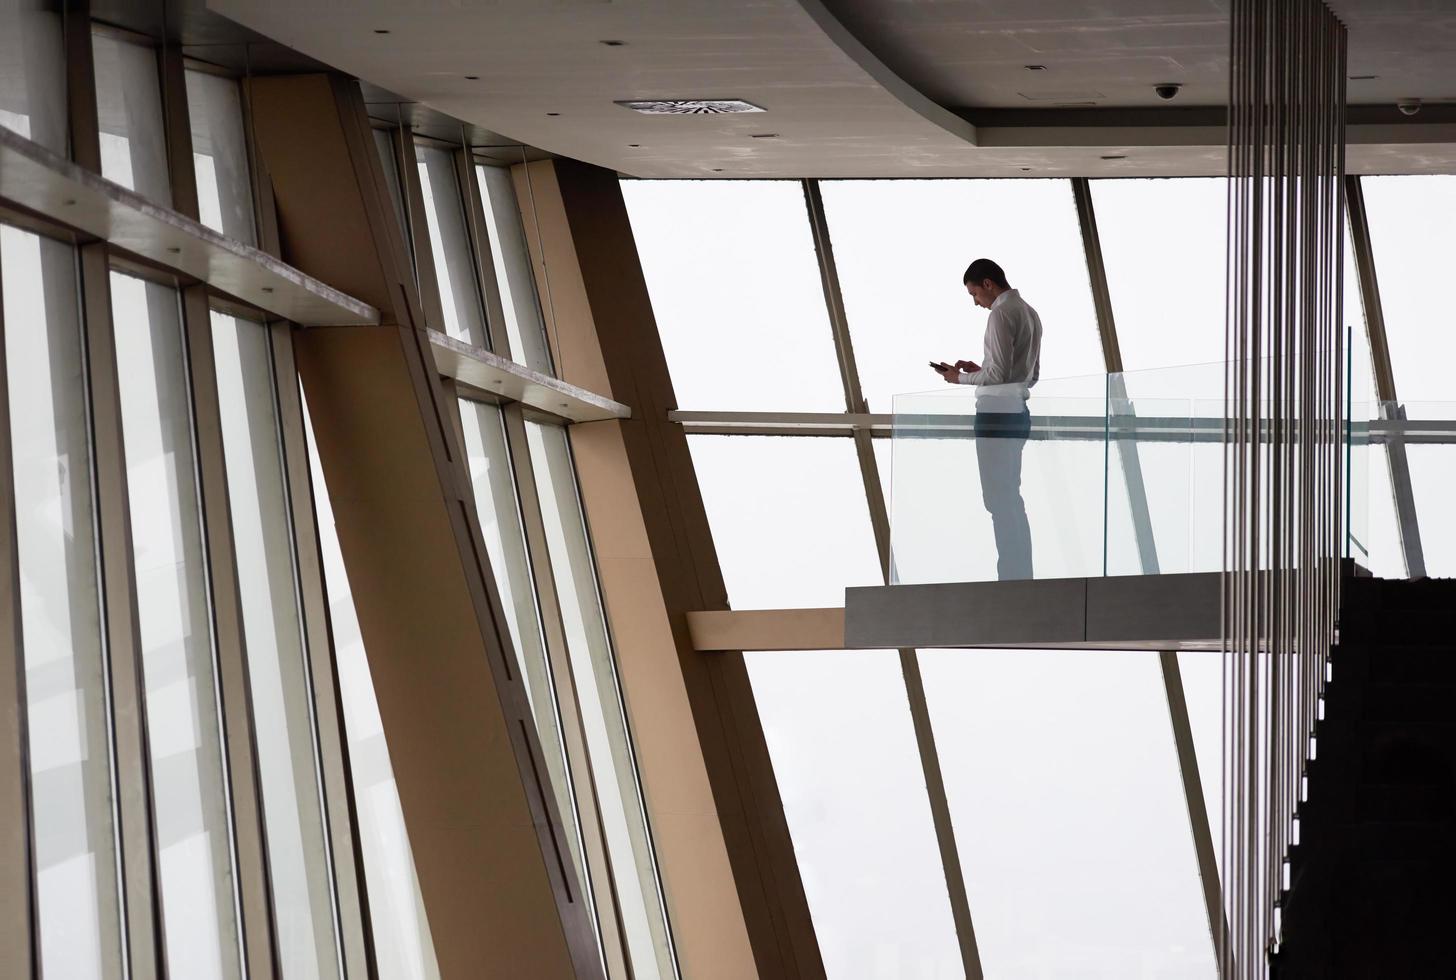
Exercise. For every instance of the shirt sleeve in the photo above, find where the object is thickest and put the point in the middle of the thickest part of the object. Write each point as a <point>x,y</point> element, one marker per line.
<point>998,352</point>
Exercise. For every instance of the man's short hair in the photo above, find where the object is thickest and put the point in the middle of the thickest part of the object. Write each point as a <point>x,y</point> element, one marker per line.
<point>983,269</point>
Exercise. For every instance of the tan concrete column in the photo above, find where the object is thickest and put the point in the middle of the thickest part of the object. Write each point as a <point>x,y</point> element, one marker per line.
<point>499,891</point>
<point>734,894</point>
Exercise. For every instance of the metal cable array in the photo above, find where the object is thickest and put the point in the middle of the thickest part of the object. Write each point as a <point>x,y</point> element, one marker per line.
<point>1284,484</point>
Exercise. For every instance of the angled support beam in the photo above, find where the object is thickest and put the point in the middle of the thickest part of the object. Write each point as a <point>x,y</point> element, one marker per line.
<point>487,841</point>
<point>1182,725</point>
<point>955,880</point>
<point>727,864</point>
<point>1398,463</point>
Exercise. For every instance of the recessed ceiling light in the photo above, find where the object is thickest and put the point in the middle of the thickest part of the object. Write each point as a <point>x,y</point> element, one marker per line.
<point>1363,78</point>
<point>553,113</point>
<point>615,44</point>
<point>717,170</point>
<point>1026,170</point>
<point>1035,67</point>
<point>634,145</point>
<point>1114,156</point>
<point>381,30</point>
<point>689,107</point>
<point>764,136</point>
<point>472,78</point>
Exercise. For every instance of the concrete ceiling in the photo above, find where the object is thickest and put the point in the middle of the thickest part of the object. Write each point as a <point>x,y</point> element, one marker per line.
<point>863,88</point>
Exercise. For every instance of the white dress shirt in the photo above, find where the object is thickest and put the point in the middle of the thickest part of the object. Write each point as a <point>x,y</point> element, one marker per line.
<point>1012,359</point>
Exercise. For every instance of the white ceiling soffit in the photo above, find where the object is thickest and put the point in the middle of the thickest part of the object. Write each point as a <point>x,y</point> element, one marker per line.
<point>834,108</point>
<point>831,113</point>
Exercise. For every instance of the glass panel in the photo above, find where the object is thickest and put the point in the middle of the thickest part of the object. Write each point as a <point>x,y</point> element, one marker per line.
<point>384,144</point>
<point>603,715</point>
<point>843,748</point>
<point>505,545</point>
<point>1413,235</point>
<point>1073,831</point>
<point>1019,487</point>
<point>33,73</point>
<point>735,289</point>
<point>220,155</point>
<point>902,247</point>
<point>1432,474</point>
<point>278,676</point>
<point>183,727</point>
<point>1163,247</point>
<point>65,670</point>
<point>402,940</point>
<point>450,245</point>
<point>129,112</point>
<point>810,516</point>
<point>509,252</point>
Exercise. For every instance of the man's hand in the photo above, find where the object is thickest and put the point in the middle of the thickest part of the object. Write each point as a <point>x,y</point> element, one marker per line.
<point>967,366</point>
<point>952,375</point>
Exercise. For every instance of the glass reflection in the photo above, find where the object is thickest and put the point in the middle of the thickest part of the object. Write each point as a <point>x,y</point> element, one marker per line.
<point>129,113</point>
<point>220,155</point>
<point>65,671</point>
<point>277,665</point>
<point>183,724</point>
<point>33,73</point>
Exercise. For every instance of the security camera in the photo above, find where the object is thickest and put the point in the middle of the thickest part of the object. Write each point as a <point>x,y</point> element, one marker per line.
<point>1409,107</point>
<point>1168,91</point>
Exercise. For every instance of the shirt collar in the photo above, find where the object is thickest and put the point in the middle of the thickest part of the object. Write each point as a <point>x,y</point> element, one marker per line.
<point>1005,293</point>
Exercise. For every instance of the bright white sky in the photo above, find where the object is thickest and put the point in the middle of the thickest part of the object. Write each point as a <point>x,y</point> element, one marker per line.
<point>1060,768</point>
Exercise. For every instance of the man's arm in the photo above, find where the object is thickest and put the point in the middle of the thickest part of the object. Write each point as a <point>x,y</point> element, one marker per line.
<point>998,350</point>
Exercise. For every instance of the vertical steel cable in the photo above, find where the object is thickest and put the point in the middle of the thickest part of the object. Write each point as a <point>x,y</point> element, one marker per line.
<point>1283,487</point>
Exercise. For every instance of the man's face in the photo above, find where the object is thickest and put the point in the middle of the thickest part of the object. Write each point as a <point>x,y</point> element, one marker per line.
<point>982,292</point>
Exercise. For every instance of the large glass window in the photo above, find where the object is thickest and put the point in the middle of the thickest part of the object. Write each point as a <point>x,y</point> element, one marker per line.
<point>603,714</point>
<point>902,247</point>
<point>183,724</point>
<point>33,72</point>
<point>450,244</point>
<point>1163,247</point>
<point>1064,792</point>
<point>1413,236</point>
<point>402,942</point>
<point>220,155</point>
<point>65,670</point>
<point>388,160</point>
<point>524,326</point>
<point>129,113</point>
<point>735,290</point>
<point>277,667</point>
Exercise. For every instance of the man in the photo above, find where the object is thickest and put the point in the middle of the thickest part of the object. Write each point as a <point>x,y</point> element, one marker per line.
<point>1009,367</point>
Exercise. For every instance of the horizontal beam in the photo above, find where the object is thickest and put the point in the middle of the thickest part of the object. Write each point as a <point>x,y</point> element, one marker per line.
<point>501,377</point>
<point>34,178</point>
<point>1131,612</point>
<point>767,629</point>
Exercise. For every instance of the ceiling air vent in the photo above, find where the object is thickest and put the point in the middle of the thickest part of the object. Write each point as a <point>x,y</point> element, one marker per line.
<point>691,107</point>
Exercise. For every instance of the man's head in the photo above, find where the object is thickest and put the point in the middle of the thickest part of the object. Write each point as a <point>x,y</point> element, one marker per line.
<point>985,281</point>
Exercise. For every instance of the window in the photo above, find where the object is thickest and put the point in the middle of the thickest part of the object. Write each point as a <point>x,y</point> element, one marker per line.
<point>277,669</point>
<point>736,293</point>
<point>33,66</point>
<point>902,247</point>
<point>384,145</point>
<point>129,113</point>
<point>505,545</point>
<point>524,326</point>
<point>183,725</point>
<point>220,155</point>
<point>65,667</point>
<point>450,245</point>
<point>603,716</point>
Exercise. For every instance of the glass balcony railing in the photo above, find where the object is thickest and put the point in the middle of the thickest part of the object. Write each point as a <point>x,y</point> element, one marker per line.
<point>1118,474</point>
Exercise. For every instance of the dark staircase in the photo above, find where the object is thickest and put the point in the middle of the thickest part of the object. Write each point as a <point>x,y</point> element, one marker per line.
<point>1373,878</point>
